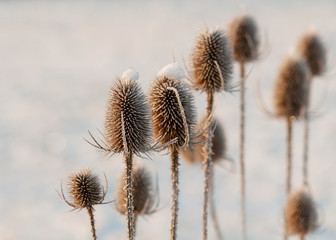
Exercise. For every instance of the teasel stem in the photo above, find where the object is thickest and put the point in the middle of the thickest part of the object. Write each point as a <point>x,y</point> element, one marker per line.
<point>242,147</point>
<point>302,237</point>
<point>93,229</point>
<point>306,134</point>
<point>129,200</point>
<point>175,182</point>
<point>212,206</point>
<point>207,162</point>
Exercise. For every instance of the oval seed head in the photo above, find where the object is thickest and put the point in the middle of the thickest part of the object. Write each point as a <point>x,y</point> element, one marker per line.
<point>312,49</point>
<point>144,197</point>
<point>290,89</point>
<point>212,52</point>
<point>300,213</point>
<point>127,119</point>
<point>243,32</point>
<point>85,189</point>
<point>168,119</point>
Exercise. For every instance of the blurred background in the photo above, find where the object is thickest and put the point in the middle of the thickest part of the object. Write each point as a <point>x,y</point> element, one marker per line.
<point>57,62</point>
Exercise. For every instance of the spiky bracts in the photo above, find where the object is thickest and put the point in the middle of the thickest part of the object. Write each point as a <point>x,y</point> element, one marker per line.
<point>300,213</point>
<point>290,89</point>
<point>127,119</point>
<point>170,120</point>
<point>144,198</point>
<point>243,32</point>
<point>312,49</point>
<point>211,61</point>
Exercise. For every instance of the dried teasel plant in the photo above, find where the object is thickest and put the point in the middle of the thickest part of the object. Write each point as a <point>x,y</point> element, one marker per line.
<point>127,129</point>
<point>300,213</point>
<point>312,49</point>
<point>212,70</point>
<point>173,113</point>
<point>145,195</point>
<point>86,191</point>
<point>243,32</point>
<point>290,99</point>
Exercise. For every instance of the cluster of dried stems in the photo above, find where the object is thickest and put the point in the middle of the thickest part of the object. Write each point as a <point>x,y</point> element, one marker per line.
<point>168,117</point>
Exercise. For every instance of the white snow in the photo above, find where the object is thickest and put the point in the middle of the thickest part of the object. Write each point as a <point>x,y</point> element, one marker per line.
<point>172,70</point>
<point>130,74</point>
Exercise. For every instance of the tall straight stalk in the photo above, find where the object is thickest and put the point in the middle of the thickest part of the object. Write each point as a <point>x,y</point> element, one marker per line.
<point>129,201</point>
<point>175,182</point>
<point>306,134</point>
<point>92,222</point>
<point>207,162</point>
<point>242,147</point>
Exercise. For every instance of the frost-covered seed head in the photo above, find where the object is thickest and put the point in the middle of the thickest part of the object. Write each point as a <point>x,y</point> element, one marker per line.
<point>312,49</point>
<point>211,47</point>
<point>243,32</point>
<point>166,112</point>
<point>85,189</point>
<point>144,197</point>
<point>127,119</point>
<point>300,213</point>
<point>290,89</point>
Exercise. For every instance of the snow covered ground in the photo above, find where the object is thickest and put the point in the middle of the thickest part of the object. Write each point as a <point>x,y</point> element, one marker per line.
<point>57,61</point>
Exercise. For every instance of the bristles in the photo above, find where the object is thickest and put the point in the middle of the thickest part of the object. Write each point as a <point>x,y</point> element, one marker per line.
<point>312,49</point>
<point>85,189</point>
<point>290,89</point>
<point>212,52</point>
<point>144,197</point>
<point>243,32</point>
<point>300,213</point>
<point>168,120</point>
<point>127,120</point>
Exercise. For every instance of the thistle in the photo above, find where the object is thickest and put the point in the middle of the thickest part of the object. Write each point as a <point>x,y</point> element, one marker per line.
<point>144,196</point>
<point>243,32</point>
<point>86,191</point>
<point>301,214</point>
<point>173,114</point>
<point>290,99</point>
<point>212,70</point>
<point>311,48</point>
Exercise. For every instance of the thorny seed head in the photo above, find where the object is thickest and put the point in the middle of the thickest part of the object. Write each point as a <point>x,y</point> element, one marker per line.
<point>300,213</point>
<point>144,197</point>
<point>85,189</point>
<point>168,120</point>
<point>290,89</point>
<point>127,119</point>
<point>218,145</point>
<point>243,32</point>
<point>211,47</point>
<point>312,49</point>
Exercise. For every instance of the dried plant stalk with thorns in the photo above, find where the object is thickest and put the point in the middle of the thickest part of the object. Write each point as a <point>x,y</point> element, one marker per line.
<point>243,32</point>
<point>289,99</point>
<point>311,48</point>
<point>86,191</point>
<point>174,115</point>
<point>212,70</point>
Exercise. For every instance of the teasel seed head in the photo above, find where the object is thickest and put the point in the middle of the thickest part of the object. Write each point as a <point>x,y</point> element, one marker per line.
<point>212,52</point>
<point>144,196</point>
<point>243,32</point>
<point>300,213</point>
<point>127,119</point>
<point>167,95</point>
<point>85,189</point>
<point>290,89</point>
<point>312,49</point>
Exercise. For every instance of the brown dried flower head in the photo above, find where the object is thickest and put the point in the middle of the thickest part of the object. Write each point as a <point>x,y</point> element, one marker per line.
<point>173,110</point>
<point>312,49</point>
<point>243,32</point>
<point>144,197</point>
<point>127,119</point>
<point>85,189</point>
<point>290,89</point>
<point>212,52</point>
<point>300,213</point>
